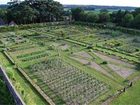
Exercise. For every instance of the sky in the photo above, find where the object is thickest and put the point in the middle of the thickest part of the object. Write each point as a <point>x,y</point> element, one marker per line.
<point>96,2</point>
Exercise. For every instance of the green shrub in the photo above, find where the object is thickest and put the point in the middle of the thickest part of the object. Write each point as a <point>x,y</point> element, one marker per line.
<point>104,62</point>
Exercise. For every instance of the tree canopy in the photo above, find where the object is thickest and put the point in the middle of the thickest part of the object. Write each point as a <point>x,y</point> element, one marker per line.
<point>30,11</point>
<point>121,18</point>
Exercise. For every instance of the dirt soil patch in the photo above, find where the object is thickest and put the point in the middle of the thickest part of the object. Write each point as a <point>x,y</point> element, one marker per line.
<point>83,54</point>
<point>113,60</point>
<point>122,71</point>
<point>92,65</point>
<point>64,47</point>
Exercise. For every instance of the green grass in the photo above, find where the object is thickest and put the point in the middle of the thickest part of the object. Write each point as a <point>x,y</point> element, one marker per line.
<point>130,97</point>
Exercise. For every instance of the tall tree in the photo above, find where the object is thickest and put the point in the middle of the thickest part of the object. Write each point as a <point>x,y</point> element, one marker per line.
<point>136,22</point>
<point>3,13</point>
<point>118,16</point>
<point>76,13</point>
<point>92,17</point>
<point>127,20</point>
<point>136,12</point>
<point>35,11</point>
<point>104,17</point>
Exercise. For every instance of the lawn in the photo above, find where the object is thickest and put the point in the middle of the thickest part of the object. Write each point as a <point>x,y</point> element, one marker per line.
<point>130,97</point>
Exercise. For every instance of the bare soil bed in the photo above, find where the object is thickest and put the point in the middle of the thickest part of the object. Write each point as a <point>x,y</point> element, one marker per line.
<point>92,65</point>
<point>63,46</point>
<point>122,71</point>
<point>113,60</point>
<point>83,54</point>
<point>122,68</point>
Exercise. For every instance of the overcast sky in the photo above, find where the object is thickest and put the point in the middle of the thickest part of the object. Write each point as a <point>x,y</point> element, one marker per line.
<point>96,2</point>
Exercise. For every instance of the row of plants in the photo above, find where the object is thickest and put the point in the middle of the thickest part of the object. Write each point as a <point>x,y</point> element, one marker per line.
<point>128,49</point>
<point>123,56</point>
<point>117,50</point>
<point>22,48</point>
<point>29,54</point>
<point>29,26</point>
<point>35,56</point>
<point>66,81</point>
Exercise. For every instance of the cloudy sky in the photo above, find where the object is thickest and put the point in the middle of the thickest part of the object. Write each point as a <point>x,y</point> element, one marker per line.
<point>96,2</point>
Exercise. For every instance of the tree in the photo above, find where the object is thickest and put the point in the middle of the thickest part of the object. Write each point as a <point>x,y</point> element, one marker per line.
<point>136,12</point>
<point>12,2</point>
<point>35,11</point>
<point>117,17</point>
<point>92,17</point>
<point>3,13</point>
<point>136,22</point>
<point>83,16</point>
<point>127,20</point>
<point>104,17</point>
<point>76,13</point>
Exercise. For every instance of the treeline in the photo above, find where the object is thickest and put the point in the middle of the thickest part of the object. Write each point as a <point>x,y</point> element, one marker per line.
<point>32,11</point>
<point>40,11</point>
<point>120,18</point>
<point>98,7</point>
<point>3,6</point>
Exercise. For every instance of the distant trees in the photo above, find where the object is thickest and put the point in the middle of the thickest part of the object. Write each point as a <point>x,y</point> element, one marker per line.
<point>79,14</point>
<point>120,18</point>
<point>104,10</point>
<point>36,11</point>
<point>136,12</point>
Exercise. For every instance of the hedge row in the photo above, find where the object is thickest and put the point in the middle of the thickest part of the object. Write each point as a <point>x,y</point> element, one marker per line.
<point>28,26</point>
<point>107,26</point>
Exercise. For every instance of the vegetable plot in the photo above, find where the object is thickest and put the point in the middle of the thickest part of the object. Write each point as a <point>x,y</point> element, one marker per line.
<point>72,85</point>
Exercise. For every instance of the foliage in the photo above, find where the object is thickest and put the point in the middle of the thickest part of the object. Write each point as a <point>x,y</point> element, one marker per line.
<point>136,22</point>
<point>76,13</point>
<point>121,18</point>
<point>104,17</point>
<point>92,17</point>
<point>127,20</point>
<point>104,62</point>
<point>34,11</point>
<point>3,13</point>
